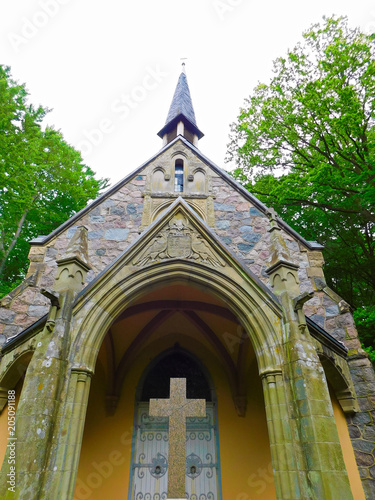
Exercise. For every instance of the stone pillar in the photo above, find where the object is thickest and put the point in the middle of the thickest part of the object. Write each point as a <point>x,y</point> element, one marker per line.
<point>38,409</point>
<point>312,420</point>
<point>283,451</point>
<point>61,477</point>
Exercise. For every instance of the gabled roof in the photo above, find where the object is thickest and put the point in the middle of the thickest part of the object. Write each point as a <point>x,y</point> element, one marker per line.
<point>42,240</point>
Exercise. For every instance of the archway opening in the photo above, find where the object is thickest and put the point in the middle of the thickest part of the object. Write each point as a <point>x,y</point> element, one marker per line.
<point>178,316</point>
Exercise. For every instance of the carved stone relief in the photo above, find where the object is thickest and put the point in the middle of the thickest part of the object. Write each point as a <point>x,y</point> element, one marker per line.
<point>178,240</point>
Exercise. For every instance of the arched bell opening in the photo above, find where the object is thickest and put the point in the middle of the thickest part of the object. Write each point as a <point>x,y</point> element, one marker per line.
<point>177,314</point>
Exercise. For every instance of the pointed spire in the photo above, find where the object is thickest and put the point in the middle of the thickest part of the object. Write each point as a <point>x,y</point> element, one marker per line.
<point>181,102</point>
<point>180,112</point>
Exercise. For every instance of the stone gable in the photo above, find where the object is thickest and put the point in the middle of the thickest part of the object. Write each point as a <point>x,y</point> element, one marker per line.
<point>116,220</point>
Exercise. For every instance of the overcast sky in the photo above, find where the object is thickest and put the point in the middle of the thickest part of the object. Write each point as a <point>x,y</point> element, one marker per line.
<point>108,69</point>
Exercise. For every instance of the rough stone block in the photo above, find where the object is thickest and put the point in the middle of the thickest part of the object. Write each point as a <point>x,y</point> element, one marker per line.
<point>222,224</point>
<point>93,235</point>
<point>332,311</point>
<point>292,245</point>
<point>363,472</point>
<point>97,218</point>
<point>37,311</point>
<point>363,459</point>
<point>246,229</point>
<point>362,445</point>
<point>252,237</point>
<point>6,315</point>
<point>108,203</point>
<point>118,234</point>
<point>354,432</point>
<point>243,247</point>
<point>117,211</point>
<point>364,388</point>
<point>242,207</point>
<point>226,239</point>
<point>338,333</point>
<point>369,488</point>
<point>11,330</point>
<point>223,207</point>
<point>254,212</point>
<point>361,418</point>
<point>319,320</point>
<point>131,208</point>
<point>369,434</point>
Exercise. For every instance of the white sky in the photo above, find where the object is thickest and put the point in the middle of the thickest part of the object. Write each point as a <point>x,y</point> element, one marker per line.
<point>114,64</point>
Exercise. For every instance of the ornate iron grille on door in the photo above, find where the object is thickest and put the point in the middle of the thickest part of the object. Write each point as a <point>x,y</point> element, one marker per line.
<point>150,459</point>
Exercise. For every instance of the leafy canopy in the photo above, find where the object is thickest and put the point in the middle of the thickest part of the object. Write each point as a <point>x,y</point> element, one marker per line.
<point>305,143</point>
<point>43,180</point>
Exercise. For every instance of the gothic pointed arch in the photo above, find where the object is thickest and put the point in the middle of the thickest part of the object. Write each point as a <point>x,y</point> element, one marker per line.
<point>155,260</point>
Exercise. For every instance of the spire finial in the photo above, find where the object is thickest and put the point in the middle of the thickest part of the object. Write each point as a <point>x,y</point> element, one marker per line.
<point>183,59</point>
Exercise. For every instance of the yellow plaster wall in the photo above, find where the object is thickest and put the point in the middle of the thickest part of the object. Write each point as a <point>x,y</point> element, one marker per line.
<point>244,445</point>
<point>106,450</point>
<point>4,434</point>
<point>347,449</point>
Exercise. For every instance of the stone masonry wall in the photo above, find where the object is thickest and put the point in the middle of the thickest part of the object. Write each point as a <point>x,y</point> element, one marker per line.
<point>112,226</point>
<point>244,229</point>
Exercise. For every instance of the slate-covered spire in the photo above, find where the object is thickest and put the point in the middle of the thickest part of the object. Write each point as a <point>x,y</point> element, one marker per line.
<point>181,116</point>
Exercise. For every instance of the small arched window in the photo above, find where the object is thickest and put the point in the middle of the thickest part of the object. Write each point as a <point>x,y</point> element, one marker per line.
<point>179,176</point>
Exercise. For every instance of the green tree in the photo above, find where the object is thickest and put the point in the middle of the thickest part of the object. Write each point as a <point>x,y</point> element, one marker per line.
<point>305,144</point>
<point>43,180</point>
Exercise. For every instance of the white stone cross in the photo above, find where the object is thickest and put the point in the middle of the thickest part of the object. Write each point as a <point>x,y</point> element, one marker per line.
<point>177,408</point>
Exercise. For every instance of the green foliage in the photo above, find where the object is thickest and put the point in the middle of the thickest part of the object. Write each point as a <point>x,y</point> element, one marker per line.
<point>43,181</point>
<point>365,320</point>
<point>305,144</point>
<point>371,352</point>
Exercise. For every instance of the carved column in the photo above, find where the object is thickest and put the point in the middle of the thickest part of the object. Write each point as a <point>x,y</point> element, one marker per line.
<point>283,451</point>
<point>61,478</point>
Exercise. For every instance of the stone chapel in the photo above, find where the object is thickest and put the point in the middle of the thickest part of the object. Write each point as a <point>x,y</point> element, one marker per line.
<point>178,272</point>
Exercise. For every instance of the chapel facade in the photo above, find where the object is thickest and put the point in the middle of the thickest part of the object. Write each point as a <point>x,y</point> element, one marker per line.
<point>178,272</point>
